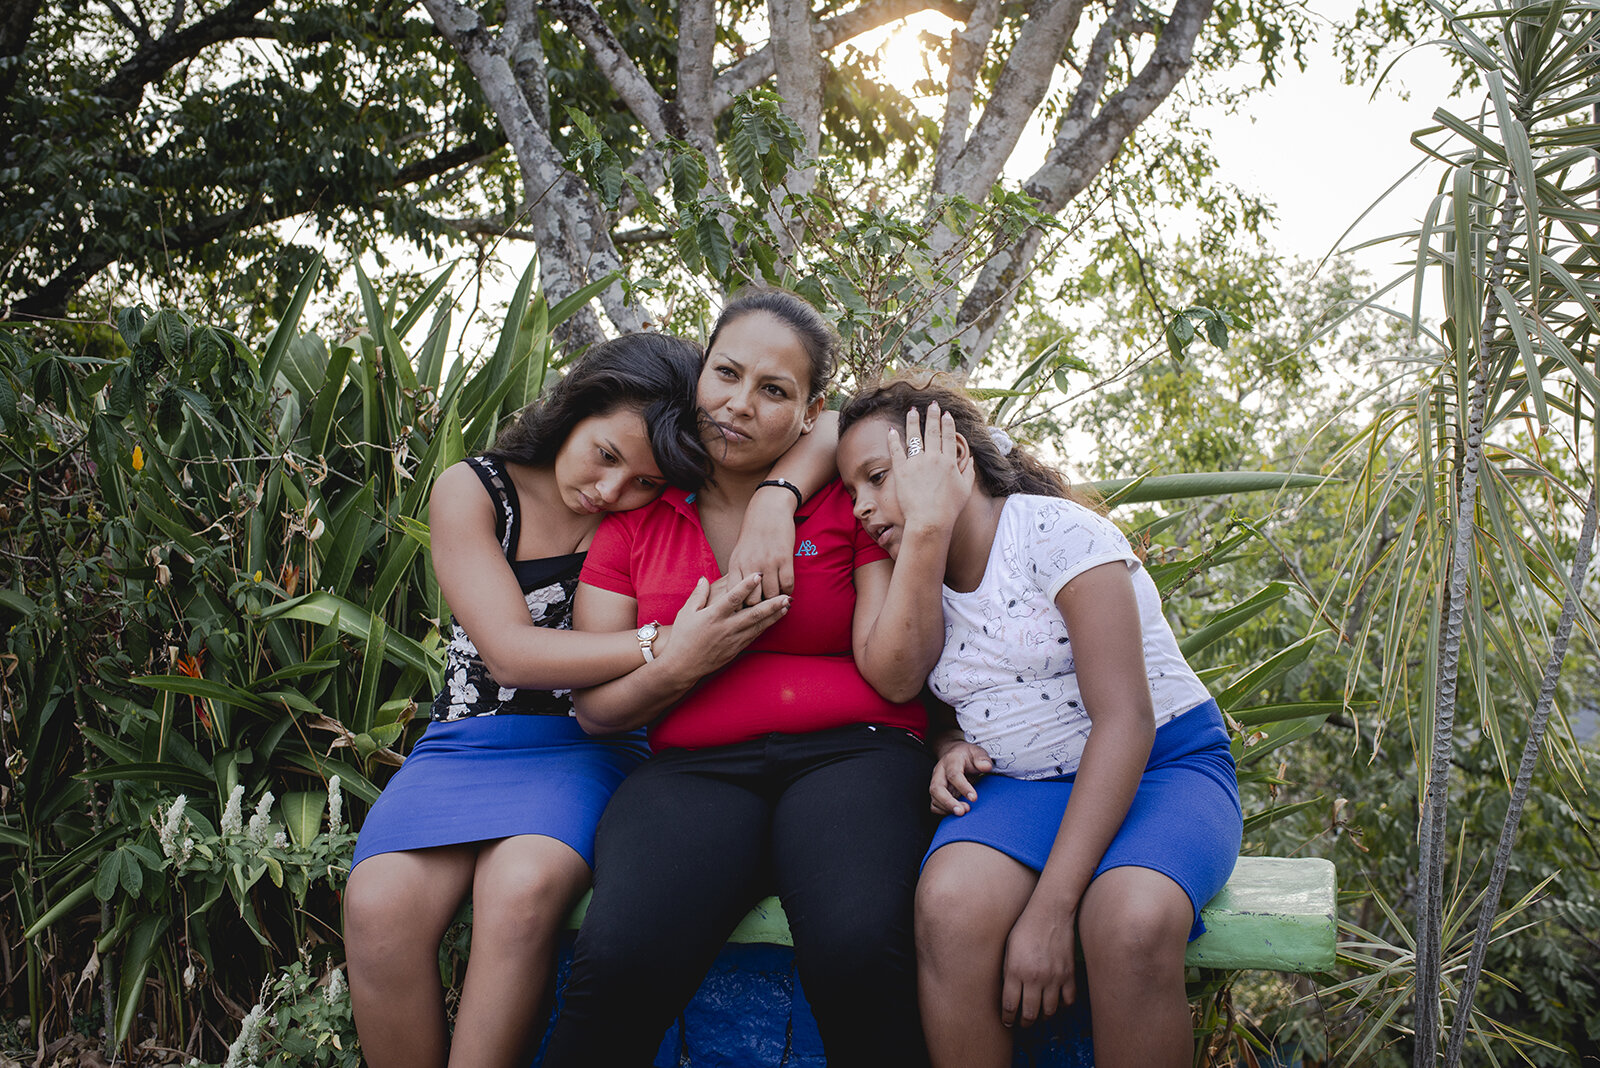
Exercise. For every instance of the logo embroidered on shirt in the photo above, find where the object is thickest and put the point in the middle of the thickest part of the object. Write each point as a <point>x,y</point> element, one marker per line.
<point>806,549</point>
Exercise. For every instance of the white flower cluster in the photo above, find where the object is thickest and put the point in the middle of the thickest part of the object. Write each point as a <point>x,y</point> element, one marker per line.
<point>174,842</point>
<point>334,992</point>
<point>246,1049</point>
<point>232,813</point>
<point>262,817</point>
<point>335,806</point>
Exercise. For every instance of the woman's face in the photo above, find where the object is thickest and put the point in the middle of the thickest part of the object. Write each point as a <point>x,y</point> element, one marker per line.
<point>864,469</point>
<point>606,464</point>
<point>753,385</point>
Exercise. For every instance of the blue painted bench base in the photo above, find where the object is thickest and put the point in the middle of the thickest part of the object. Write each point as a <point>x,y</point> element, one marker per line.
<point>751,1013</point>
<point>1275,913</point>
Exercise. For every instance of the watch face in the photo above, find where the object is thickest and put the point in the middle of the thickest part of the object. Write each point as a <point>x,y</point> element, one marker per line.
<point>648,632</point>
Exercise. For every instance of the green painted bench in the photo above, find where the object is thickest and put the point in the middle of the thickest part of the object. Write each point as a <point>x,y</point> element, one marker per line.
<point>1276,914</point>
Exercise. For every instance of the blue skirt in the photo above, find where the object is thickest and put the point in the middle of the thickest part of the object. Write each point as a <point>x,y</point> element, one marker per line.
<point>486,777</point>
<point>1185,821</point>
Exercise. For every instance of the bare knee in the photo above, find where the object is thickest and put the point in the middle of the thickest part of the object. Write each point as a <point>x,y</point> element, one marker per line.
<point>964,908</point>
<point>376,921</point>
<point>398,905</point>
<point>949,904</point>
<point>523,897</point>
<point>1135,927</point>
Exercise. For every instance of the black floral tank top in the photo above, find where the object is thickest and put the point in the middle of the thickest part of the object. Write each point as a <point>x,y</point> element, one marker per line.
<point>547,585</point>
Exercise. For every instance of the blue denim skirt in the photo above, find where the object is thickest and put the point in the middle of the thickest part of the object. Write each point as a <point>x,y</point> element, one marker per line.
<point>487,777</point>
<point>1185,821</point>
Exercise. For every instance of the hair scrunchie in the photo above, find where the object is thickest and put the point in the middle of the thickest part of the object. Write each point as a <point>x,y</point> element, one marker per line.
<point>1002,440</point>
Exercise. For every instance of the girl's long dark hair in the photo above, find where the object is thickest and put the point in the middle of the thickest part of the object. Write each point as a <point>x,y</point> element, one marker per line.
<point>652,374</point>
<point>1001,474</point>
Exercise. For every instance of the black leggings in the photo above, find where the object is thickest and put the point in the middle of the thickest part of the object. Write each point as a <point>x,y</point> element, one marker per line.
<point>837,821</point>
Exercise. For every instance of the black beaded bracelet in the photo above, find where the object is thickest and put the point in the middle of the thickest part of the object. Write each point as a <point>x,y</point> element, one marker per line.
<point>799,498</point>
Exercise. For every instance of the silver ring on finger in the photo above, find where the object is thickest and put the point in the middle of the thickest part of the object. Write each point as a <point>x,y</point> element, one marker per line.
<point>913,446</point>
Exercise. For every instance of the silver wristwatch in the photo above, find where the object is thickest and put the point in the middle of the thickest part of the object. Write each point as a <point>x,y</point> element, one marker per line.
<point>647,637</point>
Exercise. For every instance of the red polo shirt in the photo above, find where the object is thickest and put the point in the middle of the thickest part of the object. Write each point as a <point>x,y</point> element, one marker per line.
<point>800,675</point>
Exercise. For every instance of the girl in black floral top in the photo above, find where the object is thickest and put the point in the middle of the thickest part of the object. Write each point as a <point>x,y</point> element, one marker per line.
<point>499,798</point>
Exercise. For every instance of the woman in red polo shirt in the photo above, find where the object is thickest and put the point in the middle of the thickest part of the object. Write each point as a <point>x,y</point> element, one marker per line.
<point>795,764</point>
<point>500,797</point>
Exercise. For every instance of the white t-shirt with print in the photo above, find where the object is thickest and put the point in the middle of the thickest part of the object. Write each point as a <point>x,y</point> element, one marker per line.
<point>1007,665</point>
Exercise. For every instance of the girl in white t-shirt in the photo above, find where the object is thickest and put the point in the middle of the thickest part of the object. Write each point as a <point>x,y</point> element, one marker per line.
<point>1088,791</point>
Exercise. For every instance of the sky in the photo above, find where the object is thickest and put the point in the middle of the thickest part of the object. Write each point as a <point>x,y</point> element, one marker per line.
<point>1294,143</point>
<point>1325,151</point>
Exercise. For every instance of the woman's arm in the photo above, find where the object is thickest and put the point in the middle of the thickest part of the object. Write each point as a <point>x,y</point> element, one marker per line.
<point>1102,616</point>
<point>766,537</point>
<point>482,591</point>
<point>899,620</point>
<point>711,628</point>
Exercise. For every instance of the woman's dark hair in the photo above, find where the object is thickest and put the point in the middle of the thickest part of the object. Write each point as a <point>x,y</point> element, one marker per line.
<point>652,374</point>
<point>816,336</point>
<point>1001,474</point>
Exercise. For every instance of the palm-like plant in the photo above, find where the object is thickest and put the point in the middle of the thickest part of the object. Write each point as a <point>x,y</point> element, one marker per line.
<point>1487,448</point>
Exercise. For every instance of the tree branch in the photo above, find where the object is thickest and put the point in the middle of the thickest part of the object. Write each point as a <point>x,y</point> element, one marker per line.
<point>1082,149</point>
<point>1433,842</point>
<point>1022,84</point>
<point>1532,747</point>
<point>697,67</point>
<point>798,66</point>
<point>969,45</point>
<point>50,300</point>
<point>618,68</point>
<point>1078,155</point>
<point>526,50</point>
<point>151,61</point>
<point>140,31</point>
<point>568,224</point>
<point>828,34</point>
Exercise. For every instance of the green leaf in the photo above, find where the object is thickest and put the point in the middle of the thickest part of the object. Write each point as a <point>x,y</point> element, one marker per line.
<point>287,326</point>
<point>687,167</point>
<point>1217,332</point>
<point>15,602</point>
<point>130,323</point>
<point>569,306</point>
<point>110,874</point>
<point>131,875</point>
<point>712,240</point>
<point>1262,715</point>
<point>208,688</point>
<point>8,402</point>
<point>163,772</point>
<point>70,901</point>
<point>323,608</point>
<point>1277,735</point>
<point>1269,670</point>
<point>119,398</point>
<point>141,949</point>
<point>1226,621</point>
<point>169,414</point>
<point>386,734</point>
<point>302,815</point>
<point>686,239</point>
<point>1204,484</point>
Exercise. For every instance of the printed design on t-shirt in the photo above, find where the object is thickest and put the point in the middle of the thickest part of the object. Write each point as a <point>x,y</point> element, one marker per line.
<point>807,548</point>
